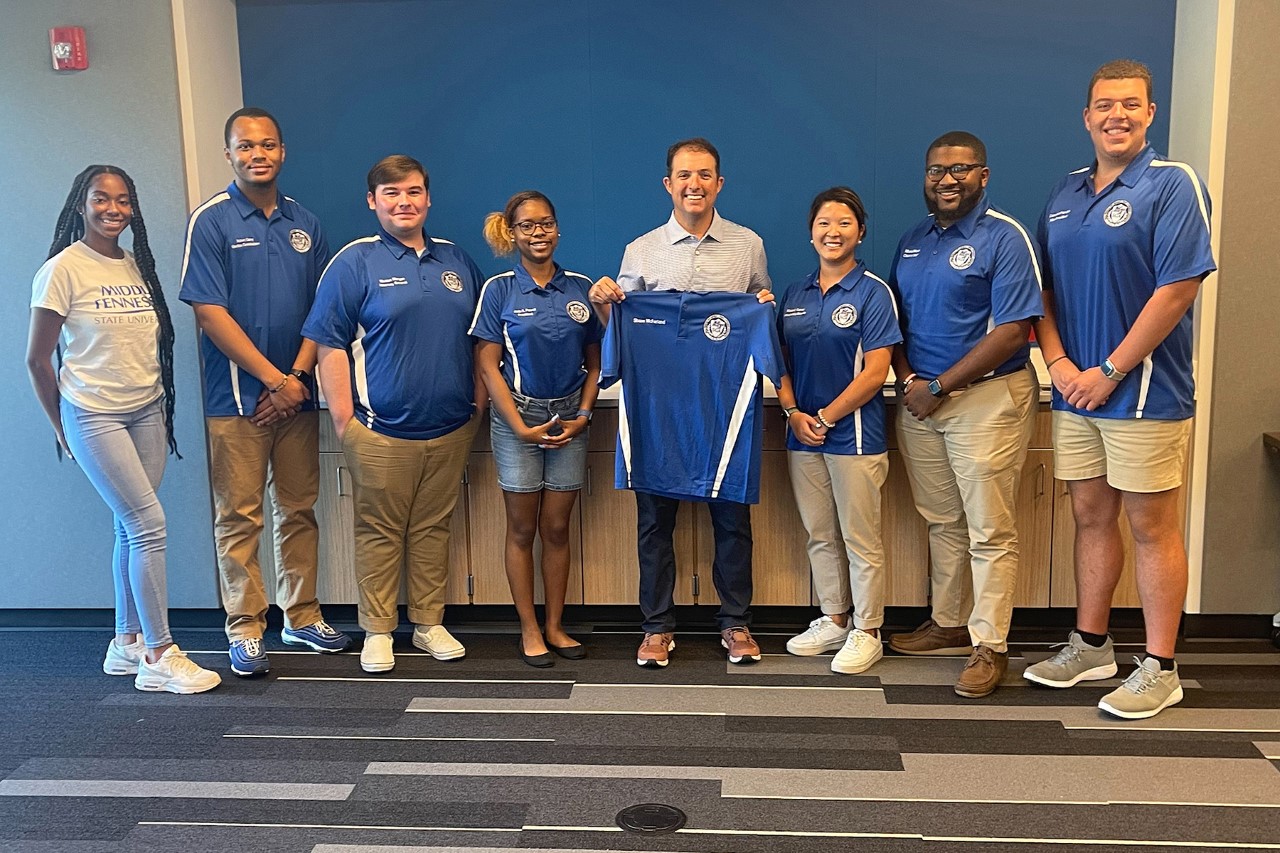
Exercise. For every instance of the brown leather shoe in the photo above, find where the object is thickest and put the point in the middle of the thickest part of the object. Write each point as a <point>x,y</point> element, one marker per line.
<point>655,649</point>
<point>932,639</point>
<point>982,672</point>
<point>741,645</point>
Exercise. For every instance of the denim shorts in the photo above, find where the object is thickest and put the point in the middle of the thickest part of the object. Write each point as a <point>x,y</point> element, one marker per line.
<point>525,467</point>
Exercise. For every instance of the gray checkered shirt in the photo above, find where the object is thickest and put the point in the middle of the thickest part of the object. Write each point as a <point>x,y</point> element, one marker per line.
<point>729,257</point>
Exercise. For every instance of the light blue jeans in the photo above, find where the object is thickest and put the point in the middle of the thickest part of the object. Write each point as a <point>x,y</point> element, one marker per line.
<point>123,455</point>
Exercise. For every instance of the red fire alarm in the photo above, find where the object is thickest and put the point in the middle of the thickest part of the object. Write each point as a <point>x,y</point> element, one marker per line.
<point>70,53</point>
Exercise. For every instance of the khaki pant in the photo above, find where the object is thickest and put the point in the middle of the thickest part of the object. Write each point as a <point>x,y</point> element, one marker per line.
<point>839,502</point>
<point>404,493</point>
<point>244,462</point>
<point>964,463</point>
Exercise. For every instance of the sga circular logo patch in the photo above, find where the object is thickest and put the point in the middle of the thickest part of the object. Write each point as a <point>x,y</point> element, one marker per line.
<point>1117,213</point>
<point>716,327</point>
<point>451,280</point>
<point>962,258</point>
<point>300,240</point>
<point>844,316</point>
<point>578,312</point>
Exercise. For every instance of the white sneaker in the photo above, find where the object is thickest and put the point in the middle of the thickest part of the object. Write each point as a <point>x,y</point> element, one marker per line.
<point>437,642</point>
<point>376,655</point>
<point>176,673</point>
<point>822,635</point>
<point>123,660</point>
<point>860,651</point>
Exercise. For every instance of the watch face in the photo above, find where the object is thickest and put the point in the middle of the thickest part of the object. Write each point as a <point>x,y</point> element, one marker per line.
<point>935,388</point>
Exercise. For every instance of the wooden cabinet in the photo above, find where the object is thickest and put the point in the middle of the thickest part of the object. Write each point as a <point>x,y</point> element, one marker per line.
<point>604,568</point>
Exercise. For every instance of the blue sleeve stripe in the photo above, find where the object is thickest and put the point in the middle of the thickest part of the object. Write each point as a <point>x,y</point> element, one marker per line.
<point>191,227</point>
<point>1026,238</point>
<point>1195,184</point>
<point>372,239</point>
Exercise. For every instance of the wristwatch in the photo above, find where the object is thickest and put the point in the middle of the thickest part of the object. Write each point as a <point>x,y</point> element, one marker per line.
<point>1109,370</point>
<point>935,388</point>
<point>303,376</point>
<point>584,413</point>
<point>787,413</point>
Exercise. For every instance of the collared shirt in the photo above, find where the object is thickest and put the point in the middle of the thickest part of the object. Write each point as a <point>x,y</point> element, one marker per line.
<point>955,284</point>
<point>729,257</point>
<point>402,319</point>
<point>1106,254</point>
<point>689,408</point>
<point>543,330</point>
<point>827,336</point>
<point>263,271</point>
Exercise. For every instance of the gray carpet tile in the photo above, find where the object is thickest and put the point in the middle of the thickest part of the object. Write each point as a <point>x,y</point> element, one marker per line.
<point>875,762</point>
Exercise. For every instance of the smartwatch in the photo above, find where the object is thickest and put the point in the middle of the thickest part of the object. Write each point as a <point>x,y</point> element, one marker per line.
<point>303,376</point>
<point>935,388</point>
<point>1109,370</point>
<point>584,413</point>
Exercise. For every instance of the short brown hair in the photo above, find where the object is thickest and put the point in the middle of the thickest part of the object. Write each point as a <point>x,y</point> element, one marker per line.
<point>697,143</point>
<point>1119,69</point>
<point>397,167</point>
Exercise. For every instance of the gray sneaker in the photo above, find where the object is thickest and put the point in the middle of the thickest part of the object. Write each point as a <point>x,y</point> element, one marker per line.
<point>1145,693</point>
<point>1075,661</point>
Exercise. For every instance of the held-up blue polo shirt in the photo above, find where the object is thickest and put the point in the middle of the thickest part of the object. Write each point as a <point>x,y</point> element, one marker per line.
<point>264,273</point>
<point>956,284</point>
<point>403,319</point>
<point>690,413</point>
<point>827,337</point>
<point>542,330</point>
<point>1106,254</point>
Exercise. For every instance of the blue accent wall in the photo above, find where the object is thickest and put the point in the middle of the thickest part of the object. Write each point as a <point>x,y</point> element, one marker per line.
<point>581,99</point>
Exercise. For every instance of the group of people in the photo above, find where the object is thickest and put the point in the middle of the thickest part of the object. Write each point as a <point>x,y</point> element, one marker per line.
<point>410,344</point>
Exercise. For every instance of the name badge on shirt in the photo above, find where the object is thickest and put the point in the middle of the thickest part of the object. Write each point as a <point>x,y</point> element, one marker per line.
<point>244,243</point>
<point>394,281</point>
<point>525,312</point>
<point>794,312</point>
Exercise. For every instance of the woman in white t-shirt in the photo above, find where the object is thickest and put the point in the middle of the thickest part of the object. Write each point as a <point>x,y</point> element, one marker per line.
<point>111,405</point>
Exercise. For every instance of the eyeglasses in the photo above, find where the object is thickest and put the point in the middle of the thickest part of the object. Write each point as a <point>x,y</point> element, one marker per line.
<point>527,226</point>
<point>957,170</point>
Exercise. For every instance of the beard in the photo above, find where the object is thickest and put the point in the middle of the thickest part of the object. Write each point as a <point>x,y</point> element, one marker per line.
<point>968,201</point>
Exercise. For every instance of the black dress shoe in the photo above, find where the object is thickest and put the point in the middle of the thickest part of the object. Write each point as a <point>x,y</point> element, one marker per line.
<point>541,661</point>
<point>576,652</point>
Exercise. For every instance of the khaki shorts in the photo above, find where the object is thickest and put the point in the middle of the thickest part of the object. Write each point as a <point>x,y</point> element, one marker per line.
<point>1135,455</point>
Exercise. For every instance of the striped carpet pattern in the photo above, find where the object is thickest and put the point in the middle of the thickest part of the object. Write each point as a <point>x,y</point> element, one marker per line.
<point>486,754</point>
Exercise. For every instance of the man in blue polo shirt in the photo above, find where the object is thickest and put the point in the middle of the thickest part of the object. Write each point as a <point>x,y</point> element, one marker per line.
<point>252,260</point>
<point>968,285</point>
<point>1126,245</point>
<point>390,319</point>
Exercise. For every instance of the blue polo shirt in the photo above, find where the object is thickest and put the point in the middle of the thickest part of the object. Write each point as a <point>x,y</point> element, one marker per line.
<point>689,408</point>
<point>1106,254</point>
<point>264,273</point>
<point>956,284</point>
<point>827,337</point>
<point>542,330</point>
<point>403,319</point>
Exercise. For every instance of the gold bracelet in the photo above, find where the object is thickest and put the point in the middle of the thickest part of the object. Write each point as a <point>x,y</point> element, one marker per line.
<point>280,387</point>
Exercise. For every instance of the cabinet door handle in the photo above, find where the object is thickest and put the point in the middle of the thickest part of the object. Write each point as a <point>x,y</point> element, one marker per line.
<point>337,473</point>
<point>466,474</point>
<point>588,480</point>
<point>1040,471</point>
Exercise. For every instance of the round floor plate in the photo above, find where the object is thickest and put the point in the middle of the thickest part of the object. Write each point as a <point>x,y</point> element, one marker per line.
<point>651,818</point>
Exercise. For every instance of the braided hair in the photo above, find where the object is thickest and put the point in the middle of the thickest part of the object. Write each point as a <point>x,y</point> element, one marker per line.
<point>71,228</point>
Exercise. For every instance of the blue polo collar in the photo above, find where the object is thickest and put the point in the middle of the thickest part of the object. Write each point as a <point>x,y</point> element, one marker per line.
<point>247,208</point>
<point>1131,174</point>
<point>528,285</point>
<point>848,283</point>
<point>967,223</point>
<point>399,249</point>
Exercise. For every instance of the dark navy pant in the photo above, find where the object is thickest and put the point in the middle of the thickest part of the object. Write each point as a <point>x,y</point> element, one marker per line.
<point>730,571</point>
